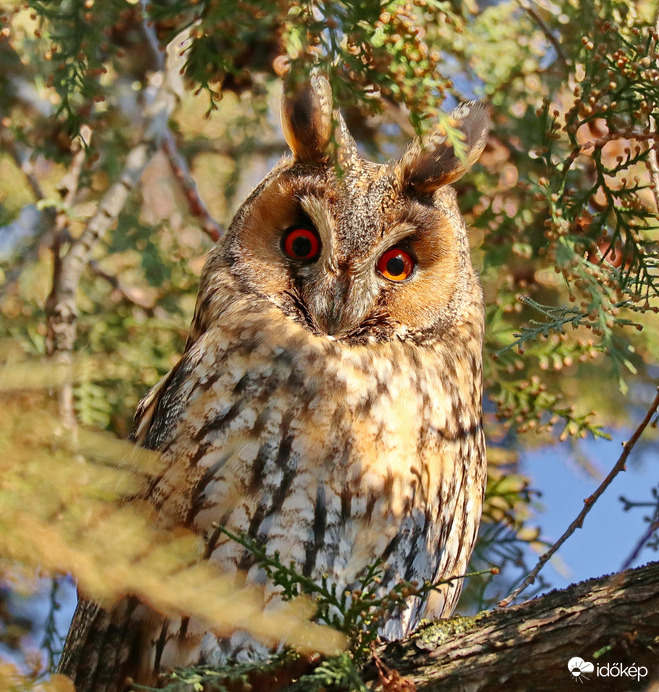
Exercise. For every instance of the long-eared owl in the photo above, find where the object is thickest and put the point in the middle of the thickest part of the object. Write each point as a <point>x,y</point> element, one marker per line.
<point>328,403</point>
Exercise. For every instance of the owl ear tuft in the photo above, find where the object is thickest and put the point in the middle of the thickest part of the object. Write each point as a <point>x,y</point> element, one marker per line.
<point>432,162</point>
<point>306,118</point>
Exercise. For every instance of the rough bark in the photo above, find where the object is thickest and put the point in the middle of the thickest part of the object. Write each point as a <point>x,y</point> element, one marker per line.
<point>612,619</point>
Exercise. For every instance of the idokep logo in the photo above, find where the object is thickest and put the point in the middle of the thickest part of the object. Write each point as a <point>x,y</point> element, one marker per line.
<point>583,670</point>
<point>578,667</point>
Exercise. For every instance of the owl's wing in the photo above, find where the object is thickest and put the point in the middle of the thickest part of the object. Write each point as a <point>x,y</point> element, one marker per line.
<point>145,410</point>
<point>159,411</point>
<point>104,648</point>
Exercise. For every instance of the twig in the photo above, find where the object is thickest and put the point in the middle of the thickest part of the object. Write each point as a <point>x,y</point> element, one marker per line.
<point>588,504</point>
<point>151,38</point>
<point>526,5</point>
<point>396,113</point>
<point>177,162</point>
<point>599,142</point>
<point>117,285</point>
<point>41,237</point>
<point>184,178</point>
<point>43,230</point>
<point>25,165</point>
<point>654,526</point>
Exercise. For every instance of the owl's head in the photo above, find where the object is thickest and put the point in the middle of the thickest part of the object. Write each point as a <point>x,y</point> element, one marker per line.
<point>353,250</point>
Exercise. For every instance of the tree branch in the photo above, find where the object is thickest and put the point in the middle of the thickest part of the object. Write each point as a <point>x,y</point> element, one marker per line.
<point>613,619</point>
<point>184,178</point>
<point>61,306</point>
<point>636,551</point>
<point>41,236</point>
<point>125,292</point>
<point>24,163</point>
<point>177,162</point>
<point>43,227</point>
<point>68,189</point>
<point>526,5</point>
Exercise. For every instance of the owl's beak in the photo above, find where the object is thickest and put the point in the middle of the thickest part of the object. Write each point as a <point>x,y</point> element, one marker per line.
<point>335,314</point>
<point>332,325</point>
<point>332,318</point>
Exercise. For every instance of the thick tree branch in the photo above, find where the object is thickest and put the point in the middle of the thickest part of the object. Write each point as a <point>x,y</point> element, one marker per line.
<point>613,619</point>
<point>68,189</point>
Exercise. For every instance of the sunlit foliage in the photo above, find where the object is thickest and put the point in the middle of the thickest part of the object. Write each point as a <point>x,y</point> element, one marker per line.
<point>562,209</point>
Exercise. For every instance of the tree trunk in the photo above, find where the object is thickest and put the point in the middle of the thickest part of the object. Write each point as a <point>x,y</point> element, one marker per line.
<point>605,621</point>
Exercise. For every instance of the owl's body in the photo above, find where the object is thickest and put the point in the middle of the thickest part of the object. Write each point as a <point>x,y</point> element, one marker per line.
<point>324,406</point>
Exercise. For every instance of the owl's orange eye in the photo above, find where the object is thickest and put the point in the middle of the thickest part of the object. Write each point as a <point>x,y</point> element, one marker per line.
<point>301,244</point>
<point>396,265</point>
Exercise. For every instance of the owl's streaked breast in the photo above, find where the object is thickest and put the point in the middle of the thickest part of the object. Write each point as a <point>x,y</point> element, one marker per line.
<point>334,455</point>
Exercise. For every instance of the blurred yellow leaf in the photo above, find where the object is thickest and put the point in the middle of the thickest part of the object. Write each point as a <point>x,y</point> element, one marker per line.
<point>62,510</point>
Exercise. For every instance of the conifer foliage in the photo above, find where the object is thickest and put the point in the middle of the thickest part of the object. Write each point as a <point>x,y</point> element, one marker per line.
<point>130,131</point>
